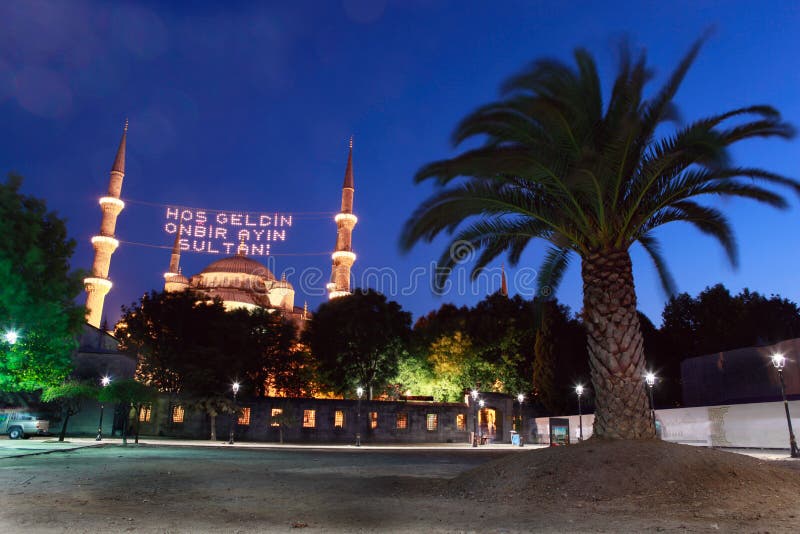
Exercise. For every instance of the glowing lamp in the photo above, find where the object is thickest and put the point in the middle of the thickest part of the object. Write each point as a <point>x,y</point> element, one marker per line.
<point>105,381</point>
<point>360,391</point>
<point>579,390</point>
<point>778,360</point>
<point>11,337</point>
<point>650,379</point>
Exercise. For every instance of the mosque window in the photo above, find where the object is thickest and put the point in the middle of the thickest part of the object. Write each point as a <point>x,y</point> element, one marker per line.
<point>432,421</point>
<point>144,413</point>
<point>177,414</point>
<point>244,416</point>
<point>373,419</point>
<point>338,419</point>
<point>402,421</point>
<point>461,421</point>
<point>276,413</point>
<point>309,418</point>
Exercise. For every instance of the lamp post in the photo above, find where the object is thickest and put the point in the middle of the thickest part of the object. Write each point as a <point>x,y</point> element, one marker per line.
<point>779,361</point>
<point>579,392</point>
<point>360,393</point>
<point>481,404</point>
<point>520,399</point>
<point>650,379</point>
<point>103,382</point>
<point>235,388</point>
<point>474,394</point>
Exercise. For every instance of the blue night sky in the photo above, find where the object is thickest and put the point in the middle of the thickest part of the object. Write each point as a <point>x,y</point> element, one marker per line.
<point>249,106</point>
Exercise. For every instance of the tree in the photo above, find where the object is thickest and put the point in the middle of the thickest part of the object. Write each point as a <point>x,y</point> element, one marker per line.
<point>357,340</point>
<point>592,178</point>
<point>70,395</point>
<point>544,366</point>
<point>131,395</point>
<point>189,345</point>
<point>36,293</point>
<point>212,405</point>
<point>283,418</point>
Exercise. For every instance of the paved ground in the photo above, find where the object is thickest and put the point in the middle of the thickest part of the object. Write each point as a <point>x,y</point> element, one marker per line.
<point>171,486</point>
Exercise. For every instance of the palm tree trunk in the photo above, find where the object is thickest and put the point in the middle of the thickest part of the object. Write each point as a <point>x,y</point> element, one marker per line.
<point>616,353</point>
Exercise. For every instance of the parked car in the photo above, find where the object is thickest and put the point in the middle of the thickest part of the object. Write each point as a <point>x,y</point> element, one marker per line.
<point>21,425</point>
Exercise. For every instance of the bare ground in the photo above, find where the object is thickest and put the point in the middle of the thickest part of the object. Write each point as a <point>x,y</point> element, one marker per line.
<point>594,487</point>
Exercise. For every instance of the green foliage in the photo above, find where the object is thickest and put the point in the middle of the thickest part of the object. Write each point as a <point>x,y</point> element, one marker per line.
<point>37,291</point>
<point>559,163</point>
<point>212,405</point>
<point>128,392</point>
<point>544,366</point>
<point>358,340</point>
<point>70,395</point>
<point>186,344</point>
<point>69,391</point>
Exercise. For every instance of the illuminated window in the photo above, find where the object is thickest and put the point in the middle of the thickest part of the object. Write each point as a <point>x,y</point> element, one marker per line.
<point>402,421</point>
<point>144,413</point>
<point>244,416</point>
<point>338,419</point>
<point>461,421</point>
<point>433,421</point>
<point>177,414</point>
<point>373,419</point>
<point>309,418</point>
<point>276,413</point>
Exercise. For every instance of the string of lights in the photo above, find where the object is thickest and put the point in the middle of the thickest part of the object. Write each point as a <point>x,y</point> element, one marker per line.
<point>169,247</point>
<point>297,215</point>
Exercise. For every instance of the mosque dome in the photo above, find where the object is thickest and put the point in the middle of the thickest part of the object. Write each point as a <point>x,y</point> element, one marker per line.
<point>239,265</point>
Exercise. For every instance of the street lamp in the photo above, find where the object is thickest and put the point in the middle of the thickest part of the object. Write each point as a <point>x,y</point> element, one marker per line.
<point>103,382</point>
<point>481,404</point>
<point>650,379</point>
<point>11,336</point>
<point>779,361</point>
<point>520,399</point>
<point>235,388</point>
<point>474,394</point>
<point>579,392</point>
<point>360,393</point>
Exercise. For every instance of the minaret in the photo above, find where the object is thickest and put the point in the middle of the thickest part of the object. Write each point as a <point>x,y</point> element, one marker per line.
<point>343,257</point>
<point>98,285</point>
<point>174,281</point>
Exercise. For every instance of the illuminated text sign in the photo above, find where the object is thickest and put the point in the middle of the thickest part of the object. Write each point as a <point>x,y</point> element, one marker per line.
<point>226,232</point>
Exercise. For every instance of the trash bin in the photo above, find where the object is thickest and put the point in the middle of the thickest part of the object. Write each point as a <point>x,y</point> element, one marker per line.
<point>515,438</point>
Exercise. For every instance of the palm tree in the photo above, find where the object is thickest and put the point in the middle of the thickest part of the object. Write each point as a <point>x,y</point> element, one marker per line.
<point>593,178</point>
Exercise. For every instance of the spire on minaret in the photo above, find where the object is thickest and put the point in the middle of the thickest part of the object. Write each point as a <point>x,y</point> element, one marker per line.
<point>503,284</point>
<point>175,257</point>
<point>119,161</point>
<point>98,285</point>
<point>343,257</point>
<point>347,200</point>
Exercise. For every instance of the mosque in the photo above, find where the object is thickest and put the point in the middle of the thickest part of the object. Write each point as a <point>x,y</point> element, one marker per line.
<point>239,281</point>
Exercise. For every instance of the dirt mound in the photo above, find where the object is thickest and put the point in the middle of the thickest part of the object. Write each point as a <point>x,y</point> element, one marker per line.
<point>642,472</point>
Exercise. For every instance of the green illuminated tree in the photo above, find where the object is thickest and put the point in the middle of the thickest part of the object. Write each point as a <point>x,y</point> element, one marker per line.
<point>37,290</point>
<point>70,395</point>
<point>130,395</point>
<point>592,177</point>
